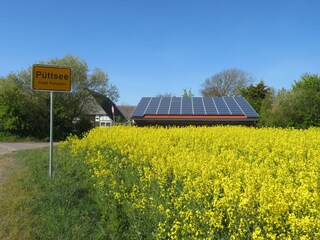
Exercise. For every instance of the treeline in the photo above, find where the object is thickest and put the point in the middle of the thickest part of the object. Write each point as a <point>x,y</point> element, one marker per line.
<point>26,113</point>
<point>297,107</point>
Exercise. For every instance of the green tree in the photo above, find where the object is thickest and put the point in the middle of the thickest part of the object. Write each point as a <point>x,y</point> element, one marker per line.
<point>306,101</point>
<point>26,112</point>
<point>298,107</point>
<point>309,82</point>
<point>20,109</point>
<point>256,94</point>
<point>266,111</point>
<point>273,113</point>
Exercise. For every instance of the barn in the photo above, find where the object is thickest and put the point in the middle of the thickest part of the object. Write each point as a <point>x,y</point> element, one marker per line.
<point>183,111</point>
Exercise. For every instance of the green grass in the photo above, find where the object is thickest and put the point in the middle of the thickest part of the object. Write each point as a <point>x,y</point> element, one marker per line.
<point>8,138</point>
<point>33,206</point>
<point>4,137</point>
<point>14,220</point>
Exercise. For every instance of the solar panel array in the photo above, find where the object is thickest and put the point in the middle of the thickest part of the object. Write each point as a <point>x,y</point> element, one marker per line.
<point>219,106</point>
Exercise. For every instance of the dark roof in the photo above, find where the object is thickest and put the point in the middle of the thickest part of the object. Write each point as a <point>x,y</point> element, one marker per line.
<point>106,104</point>
<point>186,110</point>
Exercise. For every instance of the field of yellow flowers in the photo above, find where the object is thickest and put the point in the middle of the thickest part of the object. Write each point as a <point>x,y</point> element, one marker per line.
<point>205,182</point>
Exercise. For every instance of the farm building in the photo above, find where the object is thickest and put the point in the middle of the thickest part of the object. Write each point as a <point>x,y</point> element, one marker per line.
<point>102,110</point>
<point>182,111</point>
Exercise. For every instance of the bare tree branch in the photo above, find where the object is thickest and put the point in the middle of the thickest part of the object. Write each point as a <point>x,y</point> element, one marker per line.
<point>226,83</point>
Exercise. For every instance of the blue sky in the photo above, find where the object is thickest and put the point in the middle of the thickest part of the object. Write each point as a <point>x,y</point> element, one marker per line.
<point>156,46</point>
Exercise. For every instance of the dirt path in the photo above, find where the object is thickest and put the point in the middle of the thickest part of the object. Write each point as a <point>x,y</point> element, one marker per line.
<point>7,167</point>
<point>11,147</point>
<point>7,161</point>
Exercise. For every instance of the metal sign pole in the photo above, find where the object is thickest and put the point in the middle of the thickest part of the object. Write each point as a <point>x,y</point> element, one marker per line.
<point>51,134</point>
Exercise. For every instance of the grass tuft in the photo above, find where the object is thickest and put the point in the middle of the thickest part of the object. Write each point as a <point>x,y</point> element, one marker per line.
<point>6,137</point>
<point>33,206</point>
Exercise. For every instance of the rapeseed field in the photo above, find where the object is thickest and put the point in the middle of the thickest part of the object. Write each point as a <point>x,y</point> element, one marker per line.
<point>219,182</point>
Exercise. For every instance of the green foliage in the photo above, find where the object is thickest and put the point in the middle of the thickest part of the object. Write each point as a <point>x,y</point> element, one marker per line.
<point>297,107</point>
<point>265,111</point>
<point>5,137</point>
<point>273,114</point>
<point>256,94</point>
<point>308,82</point>
<point>19,111</point>
<point>83,125</point>
<point>24,112</point>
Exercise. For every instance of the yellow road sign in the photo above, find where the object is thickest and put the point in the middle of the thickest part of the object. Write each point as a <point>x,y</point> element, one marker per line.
<point>51,78</point>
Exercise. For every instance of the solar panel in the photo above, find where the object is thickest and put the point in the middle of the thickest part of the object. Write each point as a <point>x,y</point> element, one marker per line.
<point>215,106</point>
<point>175,108</point>
<point>246,107</point>
<point>164,105</point>
<point>210,106</point>
<point>233,106</point>
<point>222,107</point>
<point>187,106</point>
<point>141,107</point>
<point>152,106</point>
<point>198,106</point>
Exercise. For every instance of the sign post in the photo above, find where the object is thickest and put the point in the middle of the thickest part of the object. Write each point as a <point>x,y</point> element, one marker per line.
<point>51,134</point>
<point>51,79</point>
